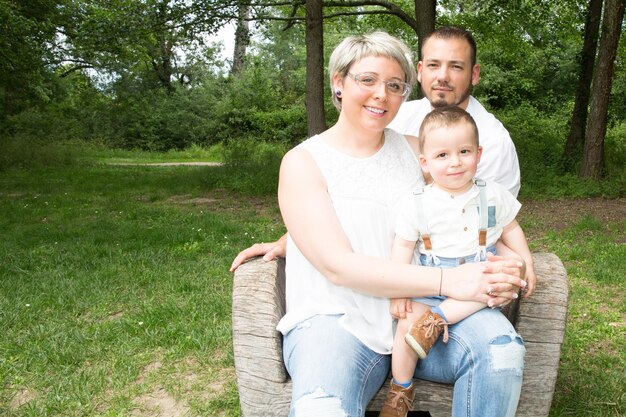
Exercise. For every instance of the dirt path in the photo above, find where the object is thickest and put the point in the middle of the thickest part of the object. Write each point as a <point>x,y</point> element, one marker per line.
<point>168,164</point>
<point>559,214</point>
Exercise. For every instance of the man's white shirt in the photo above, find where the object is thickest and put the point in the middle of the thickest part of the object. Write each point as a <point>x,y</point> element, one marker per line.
<point>498,162</point>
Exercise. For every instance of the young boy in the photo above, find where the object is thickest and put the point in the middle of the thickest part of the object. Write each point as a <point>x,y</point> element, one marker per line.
<point>455,219</point>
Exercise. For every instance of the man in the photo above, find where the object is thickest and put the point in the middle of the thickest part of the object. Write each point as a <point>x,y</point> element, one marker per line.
<point>447,73</point>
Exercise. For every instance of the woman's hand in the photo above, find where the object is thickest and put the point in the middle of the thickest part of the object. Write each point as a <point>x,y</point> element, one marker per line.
<point>269,251</point>
<point>507,277</point>
<point>495,282</point>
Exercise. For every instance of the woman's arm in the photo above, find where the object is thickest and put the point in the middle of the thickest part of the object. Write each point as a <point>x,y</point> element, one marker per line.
<point>310,218</point>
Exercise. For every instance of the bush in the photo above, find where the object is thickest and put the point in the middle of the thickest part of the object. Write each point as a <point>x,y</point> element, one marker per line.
<point>538,139</point>
<point>37,153</point>
<point>252,166</point>
<point>615,150</point>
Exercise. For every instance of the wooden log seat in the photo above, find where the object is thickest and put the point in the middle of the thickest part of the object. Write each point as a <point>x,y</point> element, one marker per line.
<point>265,387</point>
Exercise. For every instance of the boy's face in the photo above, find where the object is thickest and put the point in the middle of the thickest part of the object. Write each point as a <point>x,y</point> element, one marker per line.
<point>450,155</point>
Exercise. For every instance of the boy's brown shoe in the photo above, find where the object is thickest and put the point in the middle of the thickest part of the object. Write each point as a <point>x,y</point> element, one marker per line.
<point>425,331</point>
<point>398,401</point>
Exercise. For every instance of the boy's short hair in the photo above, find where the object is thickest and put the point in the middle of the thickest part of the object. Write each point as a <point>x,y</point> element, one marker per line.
<point>445,116</point>
<point>354,48</point>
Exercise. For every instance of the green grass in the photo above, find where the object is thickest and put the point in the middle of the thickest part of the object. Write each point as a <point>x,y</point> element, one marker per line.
<point>107,271</point>
<point>591,376</point>
<point>192,154</point>
<point>114,287</point>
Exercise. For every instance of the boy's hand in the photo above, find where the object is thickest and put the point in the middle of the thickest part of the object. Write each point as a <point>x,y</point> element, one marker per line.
<point>398,307</point>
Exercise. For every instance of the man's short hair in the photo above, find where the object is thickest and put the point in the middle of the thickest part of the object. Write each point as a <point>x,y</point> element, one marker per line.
<point>445,116</point>
<point>454,32</point>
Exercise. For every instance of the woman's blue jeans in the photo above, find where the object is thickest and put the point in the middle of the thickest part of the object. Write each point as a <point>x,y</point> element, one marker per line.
<point>333,374</point>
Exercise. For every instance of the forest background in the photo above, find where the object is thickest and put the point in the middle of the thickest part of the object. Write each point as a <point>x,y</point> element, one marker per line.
<point>114,283</point>
<point>145,74</point>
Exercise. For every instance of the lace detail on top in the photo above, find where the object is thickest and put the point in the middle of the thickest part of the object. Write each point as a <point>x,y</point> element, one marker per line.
<point>373,178</point>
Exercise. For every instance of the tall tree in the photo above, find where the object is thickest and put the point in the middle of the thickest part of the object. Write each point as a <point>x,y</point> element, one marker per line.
<point>575,139</point>
<point>27,39</point>
<point>425,15</point>
<point>129,36</point>
<point>242,38</point>
<point>314,95</point>
<point>593,158</point>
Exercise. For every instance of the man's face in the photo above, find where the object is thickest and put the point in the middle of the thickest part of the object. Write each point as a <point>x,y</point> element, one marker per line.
<point>445,72</point>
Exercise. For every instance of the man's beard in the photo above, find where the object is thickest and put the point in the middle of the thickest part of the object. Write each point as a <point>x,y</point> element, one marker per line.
<point>441,102</point>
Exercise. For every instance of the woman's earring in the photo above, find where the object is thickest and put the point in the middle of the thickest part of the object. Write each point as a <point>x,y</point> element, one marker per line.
<point>338,93</point>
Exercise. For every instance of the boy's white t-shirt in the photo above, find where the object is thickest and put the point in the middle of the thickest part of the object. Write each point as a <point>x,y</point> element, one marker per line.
<point>453,221</point>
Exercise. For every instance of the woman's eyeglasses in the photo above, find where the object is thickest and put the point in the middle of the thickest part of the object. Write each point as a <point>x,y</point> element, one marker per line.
<point>369,82</point>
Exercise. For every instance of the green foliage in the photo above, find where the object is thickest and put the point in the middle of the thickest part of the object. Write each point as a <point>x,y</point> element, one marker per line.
<point>527,50</point>
<point>37,153</point>
<point>27,36</point>
<point>539,140</point>
<point>157,120</point>
<point>262,103</point>
<point>615,149</point>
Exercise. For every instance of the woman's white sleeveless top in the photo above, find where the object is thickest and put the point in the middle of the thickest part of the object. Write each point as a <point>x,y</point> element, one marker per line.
<point>365,193</point>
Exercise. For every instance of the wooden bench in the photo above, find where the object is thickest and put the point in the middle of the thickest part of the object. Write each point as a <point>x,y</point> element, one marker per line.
<point>265,387</point>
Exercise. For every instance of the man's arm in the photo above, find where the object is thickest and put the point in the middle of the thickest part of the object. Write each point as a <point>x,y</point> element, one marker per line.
<point>268,250</point>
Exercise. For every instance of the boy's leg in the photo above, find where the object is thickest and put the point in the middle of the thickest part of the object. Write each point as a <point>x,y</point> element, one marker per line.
<point>484,358</point>
<point>403,361</point>
<point>332,372</point>
<point>403,358</point>
<point>454,310</point>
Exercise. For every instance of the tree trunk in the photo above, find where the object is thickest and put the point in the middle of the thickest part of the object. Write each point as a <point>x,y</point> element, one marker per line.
<point>314,98</point>
<point>575,139</point>
<point>162,63</point>
<point>425,14</point>
<point>162,51</point>
<point>593,157</point>
<point>242,38</point>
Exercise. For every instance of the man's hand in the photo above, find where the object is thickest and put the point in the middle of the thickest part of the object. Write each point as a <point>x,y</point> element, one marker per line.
<point>269,251</point>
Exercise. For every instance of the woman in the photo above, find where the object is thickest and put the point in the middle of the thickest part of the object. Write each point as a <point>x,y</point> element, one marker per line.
<point>338,195</point>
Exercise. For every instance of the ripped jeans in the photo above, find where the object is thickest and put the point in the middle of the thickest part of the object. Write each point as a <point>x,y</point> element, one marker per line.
<point>334,375</point>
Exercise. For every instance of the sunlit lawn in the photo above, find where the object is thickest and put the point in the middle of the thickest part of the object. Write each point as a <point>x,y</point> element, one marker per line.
<point>115,293</point>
